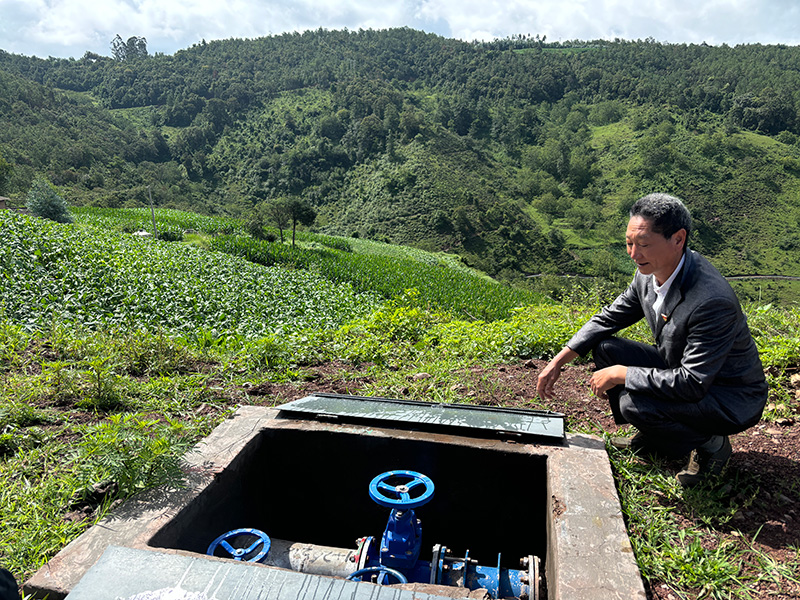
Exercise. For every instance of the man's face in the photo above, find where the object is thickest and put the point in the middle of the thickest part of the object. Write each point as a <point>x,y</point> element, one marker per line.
<point>651,251</point>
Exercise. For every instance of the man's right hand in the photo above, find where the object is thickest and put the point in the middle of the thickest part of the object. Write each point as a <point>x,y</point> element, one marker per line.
<point>546,381</point>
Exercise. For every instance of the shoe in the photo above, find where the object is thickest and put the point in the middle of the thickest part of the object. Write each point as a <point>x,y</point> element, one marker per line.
<point>703,465</point>
<point>639,445</point>
<point>633,443</point>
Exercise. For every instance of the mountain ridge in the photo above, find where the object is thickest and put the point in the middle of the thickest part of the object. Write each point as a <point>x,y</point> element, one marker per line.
<point>519,155</point>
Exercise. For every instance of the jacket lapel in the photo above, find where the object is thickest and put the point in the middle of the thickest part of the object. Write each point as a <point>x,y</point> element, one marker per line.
<point>675,294</point>
<point>649,298</point>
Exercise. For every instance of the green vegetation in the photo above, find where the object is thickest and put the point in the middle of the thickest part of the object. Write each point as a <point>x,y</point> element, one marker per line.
<point>699,561</point>
<point>173,223</point>
<point>440,280</point>
<point>75,275</point>
<point>44,201</point>
<point>117,354</point>
<point>519,155</point>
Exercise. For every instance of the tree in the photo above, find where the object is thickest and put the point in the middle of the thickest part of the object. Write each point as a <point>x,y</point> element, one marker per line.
<point>301,212</point>
<point>6,172</point>
<point>278,212</point>
<point>135,47</point>
<point>370,136</point>
<point>44,201</point>
<point>255,226</point>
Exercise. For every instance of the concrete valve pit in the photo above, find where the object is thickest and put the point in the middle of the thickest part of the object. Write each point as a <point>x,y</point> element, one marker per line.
<point>335,496</point>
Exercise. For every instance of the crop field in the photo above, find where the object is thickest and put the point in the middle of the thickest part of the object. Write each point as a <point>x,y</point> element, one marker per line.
<point>101,279</point>
<point>174,224</point>
<point>463,293</point>
<point>128,220</point>
<point>441,281</point>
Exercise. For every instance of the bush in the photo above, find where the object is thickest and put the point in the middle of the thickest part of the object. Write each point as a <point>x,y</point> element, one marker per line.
<point>255,227</point>
<point>44,201</point>
<point>171,234</point>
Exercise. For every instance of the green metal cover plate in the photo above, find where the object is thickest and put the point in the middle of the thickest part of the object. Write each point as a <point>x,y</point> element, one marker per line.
<point>132,574</point>
<point>514,422</point>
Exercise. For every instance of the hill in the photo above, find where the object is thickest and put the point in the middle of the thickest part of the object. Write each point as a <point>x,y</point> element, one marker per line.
<point>520,156</point>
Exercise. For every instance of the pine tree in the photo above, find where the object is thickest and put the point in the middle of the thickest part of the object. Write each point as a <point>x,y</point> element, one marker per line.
<point>44,201</point>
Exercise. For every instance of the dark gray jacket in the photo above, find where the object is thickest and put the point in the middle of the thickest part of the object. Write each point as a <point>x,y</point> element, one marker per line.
<point>701,334</point>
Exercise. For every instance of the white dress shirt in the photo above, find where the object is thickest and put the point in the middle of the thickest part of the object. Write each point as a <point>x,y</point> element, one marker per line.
<point>662,290</point>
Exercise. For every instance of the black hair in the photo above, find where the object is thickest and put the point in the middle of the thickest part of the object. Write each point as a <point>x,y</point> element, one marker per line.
<point>667,214</point>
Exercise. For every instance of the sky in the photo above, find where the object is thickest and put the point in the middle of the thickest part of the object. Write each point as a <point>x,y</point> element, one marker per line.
<point>70,28</point>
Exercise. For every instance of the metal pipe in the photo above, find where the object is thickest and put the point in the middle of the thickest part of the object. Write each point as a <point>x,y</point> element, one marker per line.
<point>451,571</point>
<point>311,558</point>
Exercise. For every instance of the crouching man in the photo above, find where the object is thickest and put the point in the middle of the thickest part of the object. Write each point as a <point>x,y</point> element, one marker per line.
<point>702,380</point>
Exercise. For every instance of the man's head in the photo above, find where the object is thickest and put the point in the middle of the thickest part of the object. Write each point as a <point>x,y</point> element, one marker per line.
<point>667,214</point>
<point>656,234</point>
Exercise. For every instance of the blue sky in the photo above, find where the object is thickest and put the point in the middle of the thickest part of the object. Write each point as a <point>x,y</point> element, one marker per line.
<point>69,28</point>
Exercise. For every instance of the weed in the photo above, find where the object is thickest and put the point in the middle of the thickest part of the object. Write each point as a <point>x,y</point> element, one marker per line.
<point>20,414</point>
<point>101,383</point>
<point>716,505</point>
<point>14,438</point>
<point>265,353</point>
<point>13,340</point>
<point>771,571</point>
<point>143,353</point>
<point>133,451</point>
<point>691,564</point>
<point>197,239</point>
<point>60,378</point>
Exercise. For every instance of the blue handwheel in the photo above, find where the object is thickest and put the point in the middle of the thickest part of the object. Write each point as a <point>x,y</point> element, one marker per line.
<point>385,571</point>
<point>250,545</point>
<point>401,489</point>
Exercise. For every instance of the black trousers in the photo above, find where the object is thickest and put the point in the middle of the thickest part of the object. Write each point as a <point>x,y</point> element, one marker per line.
<point>671,428</point>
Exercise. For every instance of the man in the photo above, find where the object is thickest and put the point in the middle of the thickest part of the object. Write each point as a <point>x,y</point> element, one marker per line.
<point>703,379</point>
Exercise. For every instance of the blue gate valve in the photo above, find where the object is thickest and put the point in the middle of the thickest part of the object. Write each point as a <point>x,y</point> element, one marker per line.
<point>249,545</point>
<point>402,491</point>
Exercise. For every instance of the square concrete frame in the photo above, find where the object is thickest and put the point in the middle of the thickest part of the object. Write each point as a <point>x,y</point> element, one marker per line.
<point>589,555</point>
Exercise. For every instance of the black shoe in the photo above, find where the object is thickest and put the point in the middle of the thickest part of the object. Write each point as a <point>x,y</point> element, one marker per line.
<point>703,464</point>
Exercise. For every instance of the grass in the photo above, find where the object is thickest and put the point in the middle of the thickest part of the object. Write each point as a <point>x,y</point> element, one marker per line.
<point>78,413</point>
<point>677,534</point>
<point>93,410</point>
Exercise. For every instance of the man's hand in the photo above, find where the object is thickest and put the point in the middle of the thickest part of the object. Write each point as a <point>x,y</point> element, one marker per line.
<point>605,379</point>
<point>547,379</point>
<point>550,374</point>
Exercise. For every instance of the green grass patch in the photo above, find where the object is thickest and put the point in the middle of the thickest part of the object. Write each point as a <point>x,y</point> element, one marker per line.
<point>675,532</point>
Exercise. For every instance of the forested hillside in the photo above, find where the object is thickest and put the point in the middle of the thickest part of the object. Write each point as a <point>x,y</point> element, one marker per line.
<point>520,155</point>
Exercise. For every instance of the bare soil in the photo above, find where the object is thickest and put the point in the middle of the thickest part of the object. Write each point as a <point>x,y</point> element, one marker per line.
<point>768,455</point>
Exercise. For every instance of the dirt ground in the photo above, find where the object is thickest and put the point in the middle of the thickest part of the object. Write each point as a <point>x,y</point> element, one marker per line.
<point>768,453</point>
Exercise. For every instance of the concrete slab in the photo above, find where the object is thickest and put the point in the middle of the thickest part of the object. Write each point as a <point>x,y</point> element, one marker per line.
<point>130,574</point>
<point>588,555</point>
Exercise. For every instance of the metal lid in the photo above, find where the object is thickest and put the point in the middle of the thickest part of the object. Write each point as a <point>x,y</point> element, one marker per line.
<point>514,422</point>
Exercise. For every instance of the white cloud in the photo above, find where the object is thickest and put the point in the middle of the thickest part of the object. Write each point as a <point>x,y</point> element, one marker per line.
<point>70,27</point>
